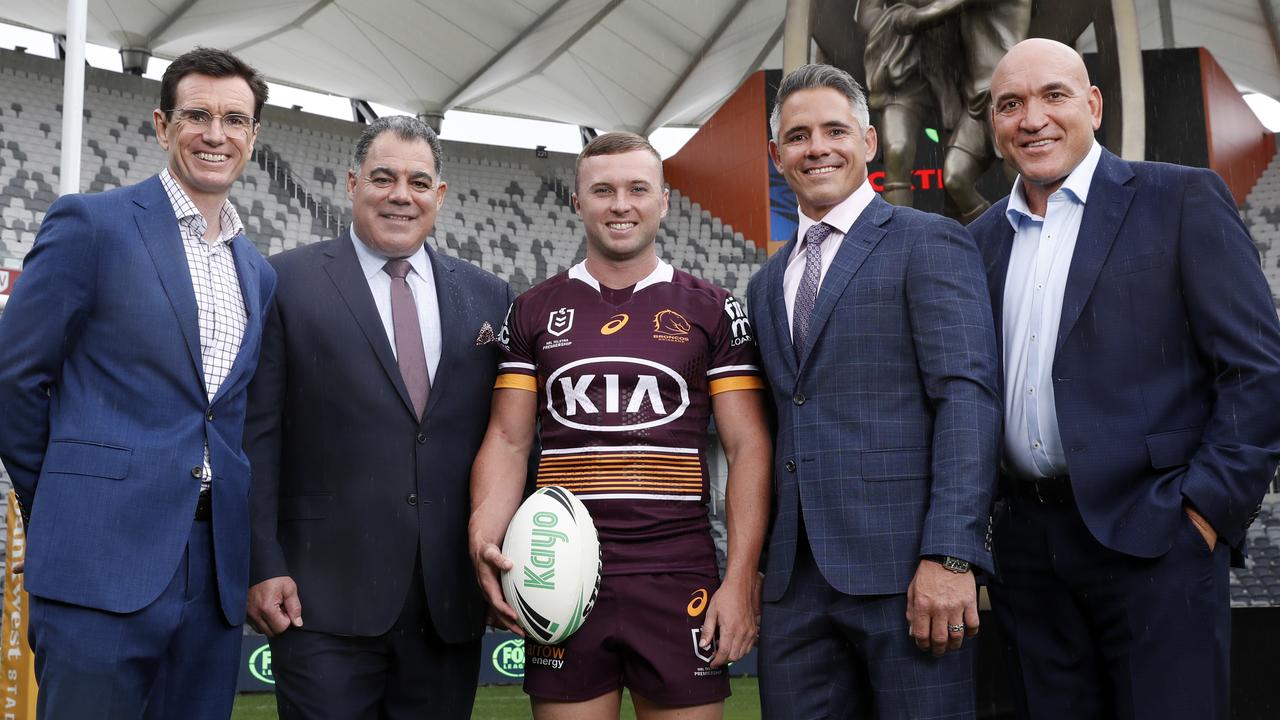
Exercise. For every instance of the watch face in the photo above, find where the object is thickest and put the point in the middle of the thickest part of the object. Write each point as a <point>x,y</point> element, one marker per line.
<point>955,565</point>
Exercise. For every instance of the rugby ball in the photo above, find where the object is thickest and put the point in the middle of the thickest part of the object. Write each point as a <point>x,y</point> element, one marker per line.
<point>555,572</point>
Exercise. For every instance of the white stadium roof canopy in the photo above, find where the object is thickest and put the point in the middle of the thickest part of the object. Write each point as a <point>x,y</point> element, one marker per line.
<point>634,65</point>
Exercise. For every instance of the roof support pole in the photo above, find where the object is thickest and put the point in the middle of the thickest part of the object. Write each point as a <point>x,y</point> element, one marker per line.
<point>73,96</point>
<point>795,36</point>
<point>1133,139</point>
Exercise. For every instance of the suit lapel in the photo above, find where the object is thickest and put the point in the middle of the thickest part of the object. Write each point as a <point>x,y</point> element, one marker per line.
<point>247,274</point>
<point>158,227</point>
<point>1103,214</point>
<point>998,273</point>
<point>778,304</point>
<point>449,306</point>
<point>348,277</point>
<point>863,237</point>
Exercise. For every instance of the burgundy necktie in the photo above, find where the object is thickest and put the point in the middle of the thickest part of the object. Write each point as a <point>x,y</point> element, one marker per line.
<point>410,355</point>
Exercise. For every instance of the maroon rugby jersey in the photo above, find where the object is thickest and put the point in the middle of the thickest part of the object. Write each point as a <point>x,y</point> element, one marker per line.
<point>624,381</point>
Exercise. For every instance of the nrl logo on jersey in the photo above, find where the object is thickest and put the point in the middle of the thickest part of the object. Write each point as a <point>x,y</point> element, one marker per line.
<point>560,321</point>
<point>616,394</point>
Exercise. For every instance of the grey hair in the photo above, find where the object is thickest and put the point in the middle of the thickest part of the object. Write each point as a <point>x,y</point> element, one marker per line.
<point>406,127</point>
<point>808,77</point>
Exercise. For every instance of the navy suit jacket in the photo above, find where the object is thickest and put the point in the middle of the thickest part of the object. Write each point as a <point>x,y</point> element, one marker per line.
<point>105,410</point>
<point>350,489</point>
<point>1166,375</point>
<point>888,424</point>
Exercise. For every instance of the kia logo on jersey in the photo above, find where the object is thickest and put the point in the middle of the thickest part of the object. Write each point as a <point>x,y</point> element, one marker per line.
<point>616,394</point>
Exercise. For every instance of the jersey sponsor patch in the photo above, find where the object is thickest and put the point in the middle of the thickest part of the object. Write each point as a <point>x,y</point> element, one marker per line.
<point>616,394</point>
<point>739,325</point>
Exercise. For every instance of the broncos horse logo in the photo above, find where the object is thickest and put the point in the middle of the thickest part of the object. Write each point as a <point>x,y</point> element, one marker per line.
<point>670,322</point>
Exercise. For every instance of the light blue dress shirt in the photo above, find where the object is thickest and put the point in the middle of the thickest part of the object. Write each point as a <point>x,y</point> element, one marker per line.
<point>423,286</point>
<point>1033,291</point>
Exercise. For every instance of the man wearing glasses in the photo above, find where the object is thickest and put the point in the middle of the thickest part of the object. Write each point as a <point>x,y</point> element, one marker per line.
<point>125,353</point>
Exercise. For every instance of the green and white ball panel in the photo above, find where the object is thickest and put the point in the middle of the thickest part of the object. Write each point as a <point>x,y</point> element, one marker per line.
<point>555,575</point>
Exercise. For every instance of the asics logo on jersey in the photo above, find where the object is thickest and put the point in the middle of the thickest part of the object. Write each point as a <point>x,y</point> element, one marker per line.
<point>616,394</point>
<point>560,321</point>
<point>616,323</point>
<point>669,324</point>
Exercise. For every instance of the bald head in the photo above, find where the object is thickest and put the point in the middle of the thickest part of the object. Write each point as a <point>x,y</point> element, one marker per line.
<point>1043,114</point>
<point>1042,53</point>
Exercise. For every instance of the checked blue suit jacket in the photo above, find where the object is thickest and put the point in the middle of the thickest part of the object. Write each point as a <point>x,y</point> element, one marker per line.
<point>888,423</point>
<point>105,413</point>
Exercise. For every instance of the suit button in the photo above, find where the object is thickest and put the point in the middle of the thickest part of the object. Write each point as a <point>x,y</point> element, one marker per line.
<point>422,438</point>
<point>790,466</point>
<point>209,415</point>
<point>798,398</point>
<point>197,471</point>
<point>412,499</point>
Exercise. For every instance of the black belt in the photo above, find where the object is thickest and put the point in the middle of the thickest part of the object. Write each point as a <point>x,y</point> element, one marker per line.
<point>1046,491</point>
<point>204,507</point>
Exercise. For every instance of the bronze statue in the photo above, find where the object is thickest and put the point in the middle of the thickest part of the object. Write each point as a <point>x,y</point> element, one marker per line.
<point>937,54</point>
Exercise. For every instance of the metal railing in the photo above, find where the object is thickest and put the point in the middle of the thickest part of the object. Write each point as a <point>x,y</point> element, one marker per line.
<point>283,176</point>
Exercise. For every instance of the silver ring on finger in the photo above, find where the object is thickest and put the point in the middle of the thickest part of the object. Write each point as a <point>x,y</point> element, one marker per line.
<point>955,628</point>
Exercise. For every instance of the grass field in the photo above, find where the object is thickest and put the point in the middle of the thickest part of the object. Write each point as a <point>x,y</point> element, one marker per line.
<point>508,702</point>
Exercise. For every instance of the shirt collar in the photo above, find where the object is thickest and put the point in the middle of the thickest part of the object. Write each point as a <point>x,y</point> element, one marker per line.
<point>662,273</point>
<point>844,214</point>
<point>371,263</point>
<point>185,209</point>
<point>1076,187</point>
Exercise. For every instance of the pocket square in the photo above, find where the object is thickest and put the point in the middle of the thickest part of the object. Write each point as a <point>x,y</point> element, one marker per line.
<point>486,335</point>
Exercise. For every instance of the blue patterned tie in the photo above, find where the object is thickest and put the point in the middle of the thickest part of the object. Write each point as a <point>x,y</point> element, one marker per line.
<point>807,295</point>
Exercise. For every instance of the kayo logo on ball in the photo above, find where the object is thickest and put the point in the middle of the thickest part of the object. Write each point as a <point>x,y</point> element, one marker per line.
<point>542,554</point>
<point>608,394</point>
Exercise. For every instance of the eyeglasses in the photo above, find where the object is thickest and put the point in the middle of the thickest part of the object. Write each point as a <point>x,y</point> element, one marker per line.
<point>237,123</point>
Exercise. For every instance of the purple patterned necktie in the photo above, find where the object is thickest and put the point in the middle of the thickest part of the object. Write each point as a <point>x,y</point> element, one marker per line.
<point>807,295</point>
<point>410,354</point>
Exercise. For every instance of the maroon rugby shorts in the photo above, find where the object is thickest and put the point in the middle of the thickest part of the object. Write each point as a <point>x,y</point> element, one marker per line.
<point>642,634</point>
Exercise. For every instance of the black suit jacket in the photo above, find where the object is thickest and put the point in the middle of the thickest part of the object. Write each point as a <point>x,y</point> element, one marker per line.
<point>348,486</point>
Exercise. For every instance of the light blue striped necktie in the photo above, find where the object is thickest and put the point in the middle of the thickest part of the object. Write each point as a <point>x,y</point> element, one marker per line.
<point>807,295</point>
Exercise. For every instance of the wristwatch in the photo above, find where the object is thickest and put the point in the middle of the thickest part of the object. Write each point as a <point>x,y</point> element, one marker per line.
<point>955,565</point>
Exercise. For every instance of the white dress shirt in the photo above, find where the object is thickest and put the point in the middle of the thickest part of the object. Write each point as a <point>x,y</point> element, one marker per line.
<point>423,286</point>
<point>841,217</point>
<point>1034,285</point>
